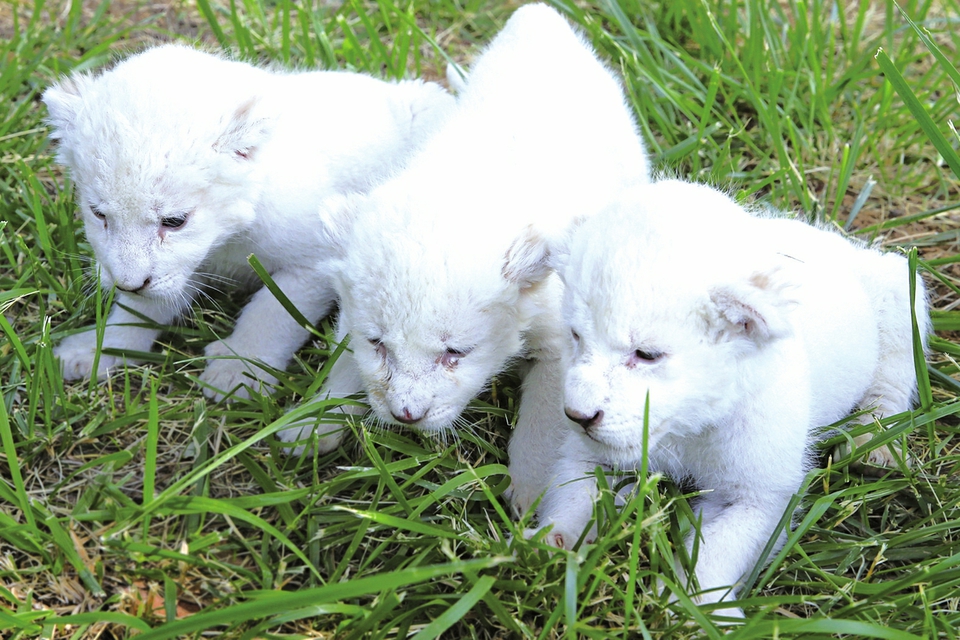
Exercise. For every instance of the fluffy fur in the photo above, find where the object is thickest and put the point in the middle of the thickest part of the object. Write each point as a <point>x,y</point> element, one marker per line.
<point>185,163</point>
<point>747,333</point>
<point>440,279</point>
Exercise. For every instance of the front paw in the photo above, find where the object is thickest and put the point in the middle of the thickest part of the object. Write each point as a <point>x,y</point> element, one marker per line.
<point>562,536</point>
<point>231,375</point>
<point>76,354</point>
<point>522,497</point>
<point>524,491</point>
<point>329,436</point>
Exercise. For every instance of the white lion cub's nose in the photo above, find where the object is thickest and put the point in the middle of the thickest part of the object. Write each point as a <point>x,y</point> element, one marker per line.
<point>407,417</point>
<point>133,287</point>
<point>586,421</point>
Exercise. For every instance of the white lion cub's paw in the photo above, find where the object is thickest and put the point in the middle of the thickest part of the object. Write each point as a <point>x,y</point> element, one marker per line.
<point>522,496</point>
<point>329,436</point>
<point>76,354</point>
<point>553,538</point>
<point>231,375</point>
<point>877,461</point>
<point>561,535</point>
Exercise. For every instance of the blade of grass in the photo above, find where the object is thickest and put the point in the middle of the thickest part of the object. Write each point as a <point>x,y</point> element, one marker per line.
<point>919,357</point>
<point>456,612</point>
<point>282,297</point>
<point>268,603</point>
<point>924,120</point>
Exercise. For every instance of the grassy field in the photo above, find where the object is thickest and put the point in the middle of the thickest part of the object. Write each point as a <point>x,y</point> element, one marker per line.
<point>135,508</point>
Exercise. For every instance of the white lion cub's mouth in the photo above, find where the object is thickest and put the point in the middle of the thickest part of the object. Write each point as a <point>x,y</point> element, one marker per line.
<point>433,420</point>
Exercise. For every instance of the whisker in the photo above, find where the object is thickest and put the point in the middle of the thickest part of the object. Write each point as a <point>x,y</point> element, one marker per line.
<point>214,302</point>
<point>216,277</point>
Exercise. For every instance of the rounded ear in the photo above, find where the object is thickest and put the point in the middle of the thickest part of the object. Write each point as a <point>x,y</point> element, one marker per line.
<point>533,255</point>
<point>337,215</point>
<point>560,246</point>
<point>755,309</point>
<point>526,262</point>
<point>63,101</point>
<point>244,132</point>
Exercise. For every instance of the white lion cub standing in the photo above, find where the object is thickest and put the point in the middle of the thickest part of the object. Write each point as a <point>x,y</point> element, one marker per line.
<point>440,277</point>
<point>748,334</point>
<point>185,163</point>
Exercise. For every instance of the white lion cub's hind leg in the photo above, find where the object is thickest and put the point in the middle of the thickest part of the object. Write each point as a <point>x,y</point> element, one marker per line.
<point>265,332</point>
<point>342,382</point>
<point>893,389</point>
<point>879,406</point>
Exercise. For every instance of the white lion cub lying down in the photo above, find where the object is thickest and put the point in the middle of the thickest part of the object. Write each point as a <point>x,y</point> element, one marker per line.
<point>437,279</point>
<point>185,163</point>
<point>747,333</point>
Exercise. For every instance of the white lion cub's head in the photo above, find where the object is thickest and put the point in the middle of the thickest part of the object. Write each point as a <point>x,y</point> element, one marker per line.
<point>161,149</point>
<point>430,327</point>
<point>651,311</point>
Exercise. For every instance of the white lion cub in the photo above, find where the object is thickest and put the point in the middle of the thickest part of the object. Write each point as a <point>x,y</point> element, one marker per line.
<point>437,278</point>
<point>748,334</point>
<point>185,163</point>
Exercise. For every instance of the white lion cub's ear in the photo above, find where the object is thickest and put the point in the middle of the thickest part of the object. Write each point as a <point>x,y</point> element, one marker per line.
<point>755,309</point>
<point>245,131</point>
<point>559,253</point>
<point>337,215</point>
<point>63,101</point>
<point>527,261</point>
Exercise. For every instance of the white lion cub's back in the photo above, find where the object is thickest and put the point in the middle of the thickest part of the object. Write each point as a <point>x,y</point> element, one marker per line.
<point>542,134</point>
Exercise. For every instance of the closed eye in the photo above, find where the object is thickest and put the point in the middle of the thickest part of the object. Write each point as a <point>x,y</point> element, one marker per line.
<point>645,356</point>
<point>175,221</point>
<point>97,212</point>
<point>379,346</point>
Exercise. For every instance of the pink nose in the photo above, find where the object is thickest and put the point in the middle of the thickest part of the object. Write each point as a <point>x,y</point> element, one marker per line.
<point>406,417</point>
<point>585,421</point>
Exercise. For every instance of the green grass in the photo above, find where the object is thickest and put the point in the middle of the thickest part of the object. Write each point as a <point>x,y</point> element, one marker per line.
<point>137,506</point>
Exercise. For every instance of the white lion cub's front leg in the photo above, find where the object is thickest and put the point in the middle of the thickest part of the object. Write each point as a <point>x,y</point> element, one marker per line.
<point>733,532</point>
<point>536,441</point>
<point>342,382</point>
<point>567,504</point>
<point>77,353</point>
<point>265,333</point>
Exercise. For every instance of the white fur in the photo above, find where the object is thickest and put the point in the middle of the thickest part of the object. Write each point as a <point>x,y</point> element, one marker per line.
<point>437,280</point>
<point>248,156</point>
<point>769,329</point>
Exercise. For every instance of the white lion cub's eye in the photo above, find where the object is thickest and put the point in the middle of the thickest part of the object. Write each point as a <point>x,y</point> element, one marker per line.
<point>97,213</point>
<point>174,221</point>
<point>451,357</point>
<point>644,356</point>
<point>379,346</point>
